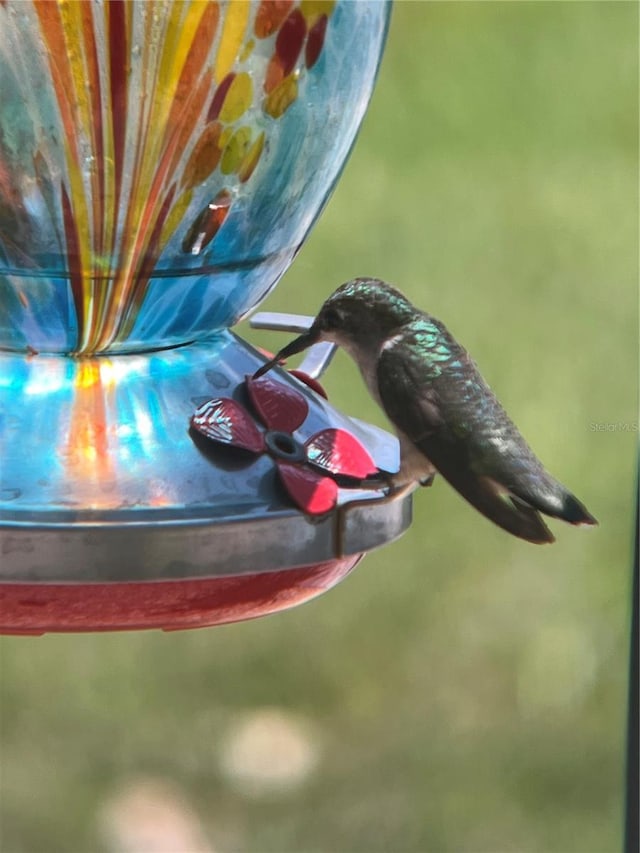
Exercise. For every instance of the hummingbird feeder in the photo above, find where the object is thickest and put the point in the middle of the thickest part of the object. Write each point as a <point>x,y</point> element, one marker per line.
<point>160,165</point>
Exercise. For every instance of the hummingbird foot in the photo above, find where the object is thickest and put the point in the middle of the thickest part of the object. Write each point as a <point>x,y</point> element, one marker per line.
<point>400,490</point>
<point>380,481</point>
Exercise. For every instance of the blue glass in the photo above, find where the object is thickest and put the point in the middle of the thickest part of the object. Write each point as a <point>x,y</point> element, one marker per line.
<point>162,162</point>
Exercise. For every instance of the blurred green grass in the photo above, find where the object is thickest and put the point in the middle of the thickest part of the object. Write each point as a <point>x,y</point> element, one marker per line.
<point>469,688</point>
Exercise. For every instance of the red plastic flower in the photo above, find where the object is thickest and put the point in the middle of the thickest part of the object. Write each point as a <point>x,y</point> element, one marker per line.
<point>312,471</point>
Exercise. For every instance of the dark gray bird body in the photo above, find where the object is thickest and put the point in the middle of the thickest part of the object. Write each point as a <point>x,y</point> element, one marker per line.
<point>446,416</point>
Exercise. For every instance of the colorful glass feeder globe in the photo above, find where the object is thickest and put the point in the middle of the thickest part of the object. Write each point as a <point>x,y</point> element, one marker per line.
<point>160,165</point>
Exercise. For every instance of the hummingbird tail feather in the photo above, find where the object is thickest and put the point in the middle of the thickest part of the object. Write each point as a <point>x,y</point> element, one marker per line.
<point>506,510</point>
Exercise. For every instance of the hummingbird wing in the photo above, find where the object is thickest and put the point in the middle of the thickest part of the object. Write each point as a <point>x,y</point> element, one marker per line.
<point>439,400</point>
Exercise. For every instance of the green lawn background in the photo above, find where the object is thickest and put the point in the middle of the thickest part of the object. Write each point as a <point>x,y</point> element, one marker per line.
<point>467,690</point>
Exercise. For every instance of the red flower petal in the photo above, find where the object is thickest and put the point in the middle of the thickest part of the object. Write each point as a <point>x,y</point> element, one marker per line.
<point>309,381</point>
<point>280,407</point>
<point>338,451</point>
<point>311,492</point>
<point>227,422</point>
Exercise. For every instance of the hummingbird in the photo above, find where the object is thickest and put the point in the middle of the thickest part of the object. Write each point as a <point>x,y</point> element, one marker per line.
<point>446,417</point>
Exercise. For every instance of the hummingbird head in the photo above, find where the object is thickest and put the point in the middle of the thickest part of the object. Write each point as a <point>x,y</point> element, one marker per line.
<point>363,313</point>
<point>359,316</point>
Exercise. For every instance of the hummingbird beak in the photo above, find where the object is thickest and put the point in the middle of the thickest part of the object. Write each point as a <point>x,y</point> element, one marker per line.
<point>297,345</point>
